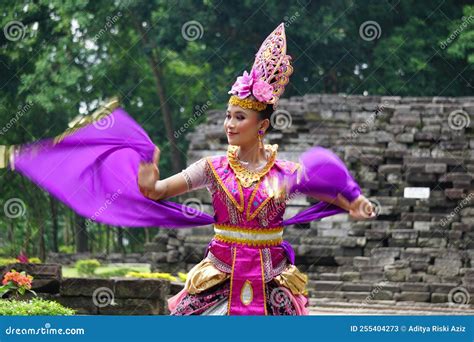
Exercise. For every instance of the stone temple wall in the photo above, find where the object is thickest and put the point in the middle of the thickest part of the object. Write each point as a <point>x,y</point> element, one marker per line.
<point>96,296</point>
<point>417,249</point>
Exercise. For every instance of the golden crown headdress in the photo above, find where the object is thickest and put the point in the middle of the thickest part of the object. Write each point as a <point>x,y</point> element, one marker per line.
<point>268,77</point>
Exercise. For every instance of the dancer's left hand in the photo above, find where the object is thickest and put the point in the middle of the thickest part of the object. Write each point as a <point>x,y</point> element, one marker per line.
<point>148,175</point>
<point>362,208</point>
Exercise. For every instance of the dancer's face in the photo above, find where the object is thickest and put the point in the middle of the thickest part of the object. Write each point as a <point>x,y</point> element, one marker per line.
<point>241,126</point>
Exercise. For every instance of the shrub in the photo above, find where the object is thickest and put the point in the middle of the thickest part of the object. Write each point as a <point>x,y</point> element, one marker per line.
<point>182,276</point>
<point>7,261</point>
<point>16,282</point>
<point>150,275</point>
<point>119,272</point>
<point>66,249</point>
<point>34,307</point>
<point>4,251</point>
<point>87,266</point>
<point>35,260</point>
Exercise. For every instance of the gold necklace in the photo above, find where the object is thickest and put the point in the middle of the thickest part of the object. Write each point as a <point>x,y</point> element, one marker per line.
<point>248,177</point>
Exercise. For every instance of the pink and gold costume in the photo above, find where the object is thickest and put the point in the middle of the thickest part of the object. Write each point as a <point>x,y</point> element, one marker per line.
<point>246,250</point>
<point>248,268</point>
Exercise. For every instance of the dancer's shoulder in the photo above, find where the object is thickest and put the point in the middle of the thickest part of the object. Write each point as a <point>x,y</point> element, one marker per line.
<point>287,166</point>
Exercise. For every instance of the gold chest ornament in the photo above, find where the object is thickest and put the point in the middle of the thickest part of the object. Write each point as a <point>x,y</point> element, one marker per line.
<point>247,177</point>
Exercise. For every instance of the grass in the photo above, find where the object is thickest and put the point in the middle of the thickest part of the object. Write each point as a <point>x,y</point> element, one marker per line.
<point>71,271</point>
<point>33,307</point>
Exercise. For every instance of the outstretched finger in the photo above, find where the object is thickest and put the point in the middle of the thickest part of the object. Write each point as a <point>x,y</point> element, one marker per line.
<point>156,156</point>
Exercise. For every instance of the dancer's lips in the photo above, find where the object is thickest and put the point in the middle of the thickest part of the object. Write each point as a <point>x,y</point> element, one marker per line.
<point>231,134</point>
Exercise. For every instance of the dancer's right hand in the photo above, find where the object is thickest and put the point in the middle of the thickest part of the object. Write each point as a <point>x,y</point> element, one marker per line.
<point>148,175</point>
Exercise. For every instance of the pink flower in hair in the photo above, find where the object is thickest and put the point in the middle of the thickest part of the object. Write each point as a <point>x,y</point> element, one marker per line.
<point>251,84</point>
<point>242,86</point>
<point>262,91</point>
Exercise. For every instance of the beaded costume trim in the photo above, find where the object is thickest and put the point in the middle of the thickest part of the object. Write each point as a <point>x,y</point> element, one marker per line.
<point>248,242</point>
<point>248,230</point>
<point>249,216</point>
<point>252,237</point>
<point>239,206</point>
<point>219,264</point>
<point>263,283</point>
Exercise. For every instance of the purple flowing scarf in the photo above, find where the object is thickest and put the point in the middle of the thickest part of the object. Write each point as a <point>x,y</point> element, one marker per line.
<point>94,171</point>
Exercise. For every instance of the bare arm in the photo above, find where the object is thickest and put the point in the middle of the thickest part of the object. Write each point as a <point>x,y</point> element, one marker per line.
<point>360,208</point>
<point>170,187</point>
<point>152,187</point>
<point>192,178</point>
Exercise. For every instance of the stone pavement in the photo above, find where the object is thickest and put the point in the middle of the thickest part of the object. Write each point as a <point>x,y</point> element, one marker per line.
<point>330,307</point>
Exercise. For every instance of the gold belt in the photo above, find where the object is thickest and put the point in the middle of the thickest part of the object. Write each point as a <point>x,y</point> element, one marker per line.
<point>249,236</point>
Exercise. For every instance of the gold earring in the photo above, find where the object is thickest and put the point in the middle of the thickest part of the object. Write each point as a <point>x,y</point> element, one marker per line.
<point>260,136</point>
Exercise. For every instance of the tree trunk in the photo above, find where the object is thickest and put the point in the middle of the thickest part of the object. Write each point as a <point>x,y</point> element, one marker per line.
<point>107,239</point>
<point>120,245</point>
<point>54,219</point>
<point>42,246</point>
<point>11,235</point>
<point>82,239</point>
<point>147,235</point>
<point>72,223</point>
<point>176,160</point>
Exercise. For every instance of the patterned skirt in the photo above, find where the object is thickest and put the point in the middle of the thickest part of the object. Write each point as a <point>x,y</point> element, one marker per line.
<point>214,301</point>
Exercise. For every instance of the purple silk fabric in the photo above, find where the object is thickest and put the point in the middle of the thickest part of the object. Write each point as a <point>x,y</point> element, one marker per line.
<point>94,172</point>
<point>324,176</point>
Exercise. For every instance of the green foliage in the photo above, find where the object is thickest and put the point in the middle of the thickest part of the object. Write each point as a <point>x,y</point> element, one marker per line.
<point>66,249</point>
<point>7,261</point>
<point>87,267</point>
<point>117,272</point>
<point>462,32</point>
<point>182,276</point>
<point>34,307</point>
<point>17,283</point>
<point>75,53</point>
<point>152,275</point>
<point>35,260</point>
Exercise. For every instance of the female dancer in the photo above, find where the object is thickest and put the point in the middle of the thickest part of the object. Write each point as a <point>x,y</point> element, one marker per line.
<point>105,168</point>
<point>246,269</point>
